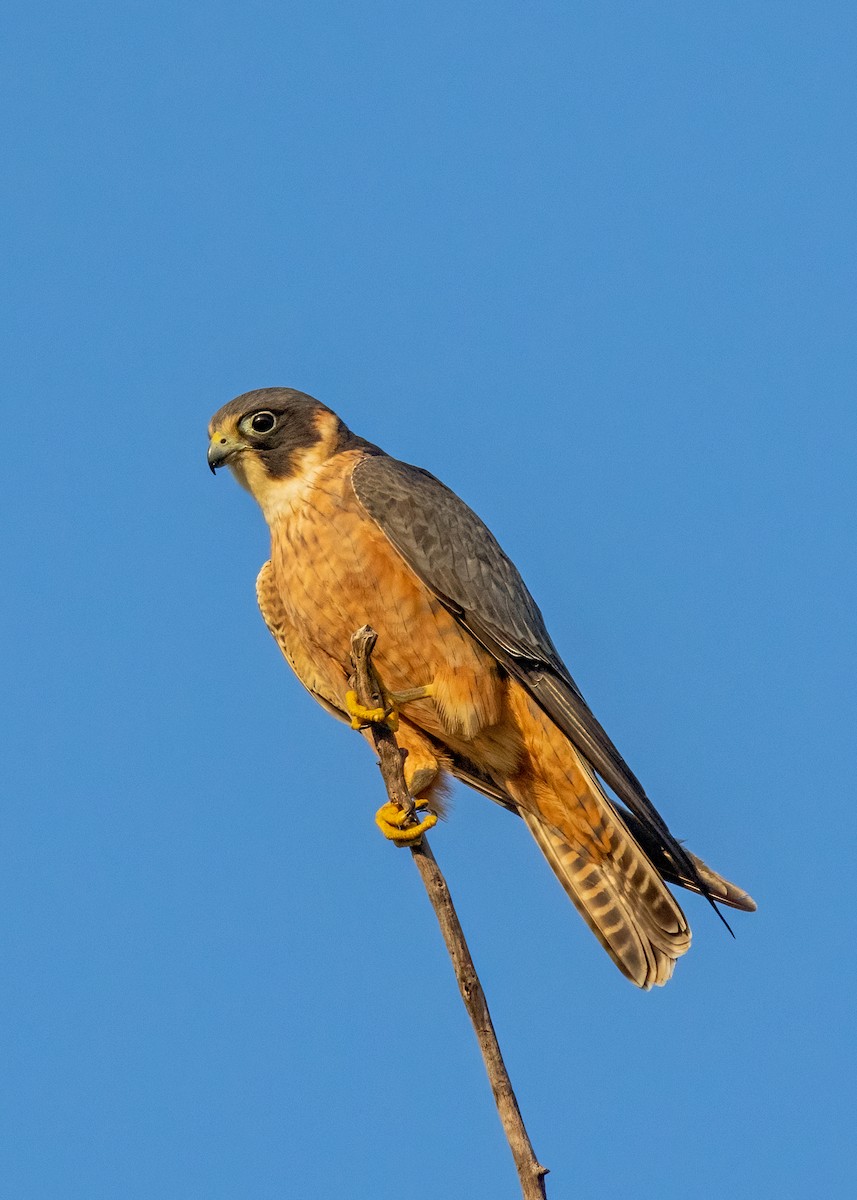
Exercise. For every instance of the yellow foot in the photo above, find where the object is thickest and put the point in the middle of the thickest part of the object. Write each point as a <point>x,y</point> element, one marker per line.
<point>362,716</point>
<point>392,821</point>
<point>389,714</point>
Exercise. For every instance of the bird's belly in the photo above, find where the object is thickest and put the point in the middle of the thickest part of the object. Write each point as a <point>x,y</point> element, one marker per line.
<point>336,571</point>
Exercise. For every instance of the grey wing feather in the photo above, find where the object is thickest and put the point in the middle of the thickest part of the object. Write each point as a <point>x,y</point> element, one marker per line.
<point>453,552</point>
<point>458,558</point>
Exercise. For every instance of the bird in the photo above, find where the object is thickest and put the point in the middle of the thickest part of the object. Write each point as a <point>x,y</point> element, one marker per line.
<point>473,683</point>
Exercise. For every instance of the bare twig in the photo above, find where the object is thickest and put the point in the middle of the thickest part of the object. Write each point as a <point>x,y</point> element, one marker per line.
<point>390,756</point>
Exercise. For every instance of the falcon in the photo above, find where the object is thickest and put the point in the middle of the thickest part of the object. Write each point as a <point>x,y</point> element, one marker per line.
<point>473,683</point>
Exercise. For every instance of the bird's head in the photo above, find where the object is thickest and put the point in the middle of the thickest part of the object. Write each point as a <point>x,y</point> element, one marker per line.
<point>272,436</point>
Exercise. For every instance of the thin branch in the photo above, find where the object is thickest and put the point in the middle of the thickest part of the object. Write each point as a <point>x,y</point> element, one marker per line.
<point>365,682</point>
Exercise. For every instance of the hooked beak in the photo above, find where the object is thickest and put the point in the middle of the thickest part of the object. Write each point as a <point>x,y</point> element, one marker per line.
<point>221,448</point>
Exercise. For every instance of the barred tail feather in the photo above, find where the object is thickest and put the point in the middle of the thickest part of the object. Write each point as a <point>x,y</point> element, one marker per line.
<point>623,900</point>
<point>720,889</point>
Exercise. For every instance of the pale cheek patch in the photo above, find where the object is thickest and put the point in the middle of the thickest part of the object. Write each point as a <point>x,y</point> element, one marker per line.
<point>280,496</point>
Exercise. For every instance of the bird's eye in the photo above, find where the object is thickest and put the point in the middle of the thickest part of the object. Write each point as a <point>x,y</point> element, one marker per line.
<point>263,422</point>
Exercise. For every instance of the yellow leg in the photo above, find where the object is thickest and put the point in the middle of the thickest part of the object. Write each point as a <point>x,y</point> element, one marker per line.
<point>387,715</point>
<point>362,716</point>
<point>417,693</point>
<point>397,823</point>
<point>391,820</point>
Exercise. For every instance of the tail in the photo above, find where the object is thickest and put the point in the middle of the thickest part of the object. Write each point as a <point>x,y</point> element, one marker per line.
<point>621,897</point>
<point>719,888</point>
<point>611,866</point>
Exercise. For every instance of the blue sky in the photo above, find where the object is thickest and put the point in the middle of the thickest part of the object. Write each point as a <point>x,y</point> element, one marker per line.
<point>592,264</point>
